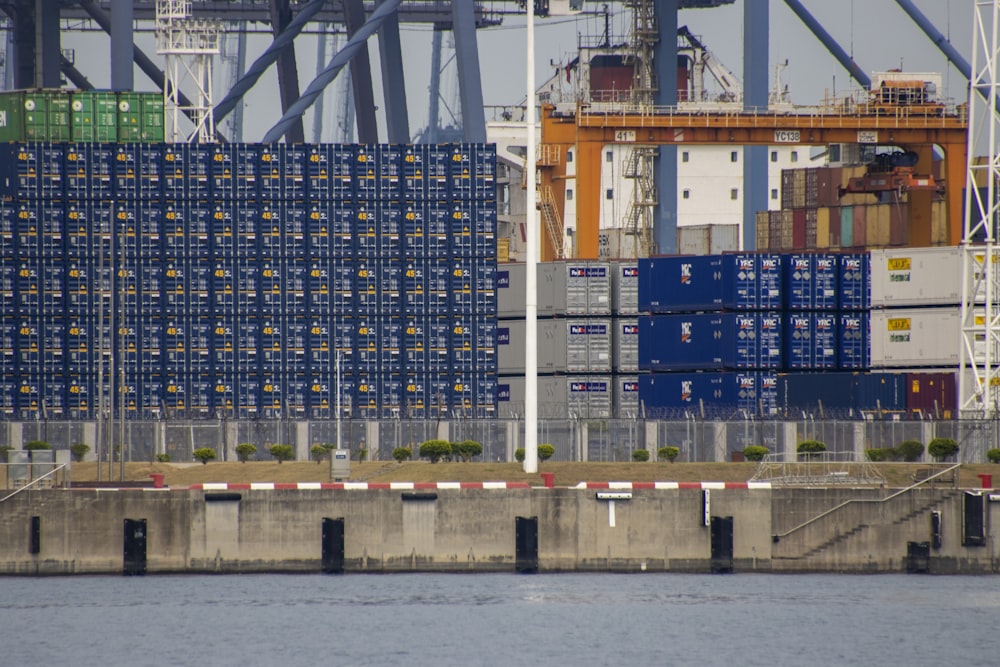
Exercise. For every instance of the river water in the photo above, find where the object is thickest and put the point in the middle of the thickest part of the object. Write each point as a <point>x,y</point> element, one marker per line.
<point>497,619</point>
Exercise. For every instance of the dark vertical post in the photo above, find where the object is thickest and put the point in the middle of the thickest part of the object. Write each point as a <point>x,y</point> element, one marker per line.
<point>134,548</point>
<point>393,88</point>
<point>918,557</point>
<point>665,163</point>
<point>361,76</point>
<point>48,54</point>
<point>122,46</point>
<point>936,530</point>
<point>35,536</point>
<point>288,73</point>
<point>722,544</point>
<point>526,544</point>
<point>470,85</point>
<point>333,545</point>
<point>756,24</point>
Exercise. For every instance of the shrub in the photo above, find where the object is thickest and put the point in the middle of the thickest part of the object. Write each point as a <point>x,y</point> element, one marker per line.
<point>318,452</point>
<point>79,451</point>
<point>435,450</point>
<point>282,453</point>
<point>163,458</point>
<point>942,448</point>
<point>362,454</point>
<point>668,453</point>
<point>245,451</point>
<point>993,455</point>
<point>755,452</point>
<point>37,444</point>
<point>811,447</point>
<point>877,454</point>
<point>3,452</point>
<point>545,452</point>
<point>640,455</point>
<point>204,454</point>
<point>519,454</point>
<point>467,449</point>
<point>402,454</point>
<point>910,450</point>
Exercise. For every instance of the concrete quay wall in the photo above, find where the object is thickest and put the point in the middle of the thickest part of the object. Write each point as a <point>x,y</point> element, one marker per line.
<point>473,530</point>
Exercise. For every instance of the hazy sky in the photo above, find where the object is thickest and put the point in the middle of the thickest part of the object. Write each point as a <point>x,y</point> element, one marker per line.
<point>877,32</point>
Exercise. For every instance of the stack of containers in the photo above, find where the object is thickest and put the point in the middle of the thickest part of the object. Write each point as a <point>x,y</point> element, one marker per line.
<point>248,280</point>
<point>575,336</point>
<point>815,215</point>
<point>710,335</point>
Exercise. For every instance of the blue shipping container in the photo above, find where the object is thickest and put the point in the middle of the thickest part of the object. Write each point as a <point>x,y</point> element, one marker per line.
<point>811,340</point>
<point>853,351</point>
<point>811,281</point>
<point>705,341</point>
<point>711,282</point>
<point>854,282</point>
<point>842,393</point>
<point>718,394</point>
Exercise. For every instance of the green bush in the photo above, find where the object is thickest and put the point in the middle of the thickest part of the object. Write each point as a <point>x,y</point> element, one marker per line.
<point>668,453</point>
<point>79,451</point>
<point>3,452</point>
<point>467,449</point>
<point>245,451</point>
<point>435,450</point>
<point>755,452</point>
<point>204,454</point>
<point>942,448</point>
<point>640,455</point>
<point>993,455</point>
<point>282,453</point>
<point>545,452</point>
<point>519,454</point>
<point>811,447</point>
<point>37,444</point>
<point>362,454</point>
<point>402,454</point>
<point>163,458</point>
<point>876,454</point>
<point>910,450</point>
<point>318,452</point>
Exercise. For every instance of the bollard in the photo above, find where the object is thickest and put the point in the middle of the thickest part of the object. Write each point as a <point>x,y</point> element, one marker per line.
<point>549,478</point>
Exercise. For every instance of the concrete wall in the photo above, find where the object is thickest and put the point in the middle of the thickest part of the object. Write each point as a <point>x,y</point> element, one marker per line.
<point>474,530</point>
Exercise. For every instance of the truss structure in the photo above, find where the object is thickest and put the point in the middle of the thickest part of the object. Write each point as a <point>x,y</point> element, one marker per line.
<point>979,377</point>
<point>188,46</point>
<point>820,469</point>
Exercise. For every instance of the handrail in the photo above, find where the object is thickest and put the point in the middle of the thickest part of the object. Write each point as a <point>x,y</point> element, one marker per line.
<point>778,536</point>
<point>34,481</point>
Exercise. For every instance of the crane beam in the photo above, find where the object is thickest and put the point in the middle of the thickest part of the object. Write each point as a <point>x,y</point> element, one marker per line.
<point>585,131</point>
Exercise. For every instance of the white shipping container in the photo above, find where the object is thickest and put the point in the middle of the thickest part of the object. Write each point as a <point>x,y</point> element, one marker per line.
<point>625,346</point>
<point>708,239</point>
<point>625,288</point>
<point>564,346</point>
<point>918,277</point>
<point>626,396</point>
<point>564,288</point>
<point>559,397</point>
<point>917,338</point>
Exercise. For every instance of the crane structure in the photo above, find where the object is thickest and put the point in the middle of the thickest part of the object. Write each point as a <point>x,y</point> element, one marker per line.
<point>584,130</point>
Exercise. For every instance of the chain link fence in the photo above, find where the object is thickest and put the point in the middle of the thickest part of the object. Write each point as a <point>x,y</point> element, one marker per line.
<point>606,440</point>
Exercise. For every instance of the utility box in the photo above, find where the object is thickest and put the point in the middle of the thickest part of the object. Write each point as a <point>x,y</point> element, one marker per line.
<point>341,463</point>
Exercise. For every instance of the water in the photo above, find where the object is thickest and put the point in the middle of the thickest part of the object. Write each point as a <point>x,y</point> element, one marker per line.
<point>486,619</point>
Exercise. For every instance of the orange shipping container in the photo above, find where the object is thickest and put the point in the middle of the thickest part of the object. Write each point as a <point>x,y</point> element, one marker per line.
<point>860,227</point>
<point>899,224</point>
<point>763,230</point>
<point>823,227</point>
<point>939,223</point>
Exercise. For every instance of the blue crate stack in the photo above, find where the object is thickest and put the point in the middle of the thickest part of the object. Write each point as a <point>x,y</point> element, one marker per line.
<point>234,279</point>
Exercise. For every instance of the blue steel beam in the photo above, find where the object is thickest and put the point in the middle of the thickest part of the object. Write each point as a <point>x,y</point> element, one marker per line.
<point>361,76</point>
<point>665,163</point>
<point>47,45</point>
<point>288,69</point>
<point>470,84</point>
<point>354,44</point>
<point>122,47</point>
<point>393,88</point>
<point>265,60</point>
<point>830,43</point>
<point>756,37</point>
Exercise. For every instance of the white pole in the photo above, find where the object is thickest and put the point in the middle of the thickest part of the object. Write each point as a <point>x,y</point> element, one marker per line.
<point>338,400</point>
<point>531,287</point>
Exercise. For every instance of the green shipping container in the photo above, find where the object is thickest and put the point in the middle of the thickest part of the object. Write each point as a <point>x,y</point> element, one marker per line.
<point>11,116</point>
<point>152,117</point>
<point>129,116</point>
<point>59,115</point>
<point>94,116</point>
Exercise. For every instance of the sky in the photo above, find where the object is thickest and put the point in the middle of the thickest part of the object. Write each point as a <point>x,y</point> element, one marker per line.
<point>877,33</point>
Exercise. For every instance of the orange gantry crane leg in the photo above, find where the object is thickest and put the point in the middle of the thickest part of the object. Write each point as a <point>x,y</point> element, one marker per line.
<point>583,133</point>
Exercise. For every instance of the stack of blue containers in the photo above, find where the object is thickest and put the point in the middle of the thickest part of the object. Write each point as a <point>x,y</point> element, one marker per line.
<point>720,331</point>
<point>240,279</point>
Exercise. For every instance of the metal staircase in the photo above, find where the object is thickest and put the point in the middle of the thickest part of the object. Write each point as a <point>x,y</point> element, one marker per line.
<point>550,218</point>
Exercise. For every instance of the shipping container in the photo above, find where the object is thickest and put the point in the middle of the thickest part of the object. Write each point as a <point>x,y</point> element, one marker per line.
<point>811,281</point>
<point>824,395</point>
<point>932,395</point>
<point>854,282</point>
<point>853,349</point>
<point>747,281</point>
<point>35,115</point>
<point>710,341</point>
<point>708,239</point>
<point>918,338</point>
<point>563,346</point>
<point>811,340</point>
<point>707,395</point>
<point>564,288</point>
<point>625,288</point>
<point>625,345</point>
<point>626,398</point>
<point>916,277</point>
<point>580,396</point>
